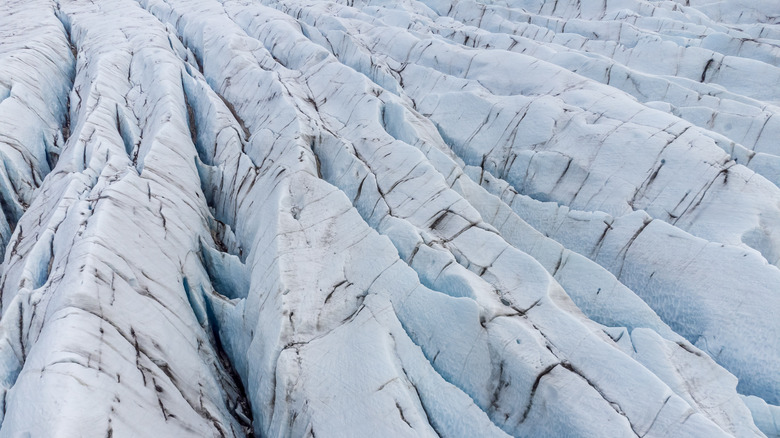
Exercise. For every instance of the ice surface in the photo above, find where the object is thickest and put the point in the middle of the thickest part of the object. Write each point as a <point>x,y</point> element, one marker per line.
<point>389,218</point>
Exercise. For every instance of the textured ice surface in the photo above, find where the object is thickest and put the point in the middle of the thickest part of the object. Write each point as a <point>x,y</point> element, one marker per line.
<point>389,218</point>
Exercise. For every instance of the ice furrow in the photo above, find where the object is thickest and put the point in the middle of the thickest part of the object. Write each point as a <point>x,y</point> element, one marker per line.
<point>416,218</point>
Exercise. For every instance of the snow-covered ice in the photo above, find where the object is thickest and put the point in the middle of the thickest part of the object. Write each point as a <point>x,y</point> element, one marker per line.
<point>390,218</point>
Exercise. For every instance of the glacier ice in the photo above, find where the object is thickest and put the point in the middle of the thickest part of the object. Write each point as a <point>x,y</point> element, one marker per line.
<point>392,218</point>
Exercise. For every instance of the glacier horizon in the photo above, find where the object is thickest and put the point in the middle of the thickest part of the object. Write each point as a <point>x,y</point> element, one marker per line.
<point>392,218</point>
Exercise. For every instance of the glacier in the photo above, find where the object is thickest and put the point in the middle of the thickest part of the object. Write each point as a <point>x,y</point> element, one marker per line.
<point>454,218</point>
